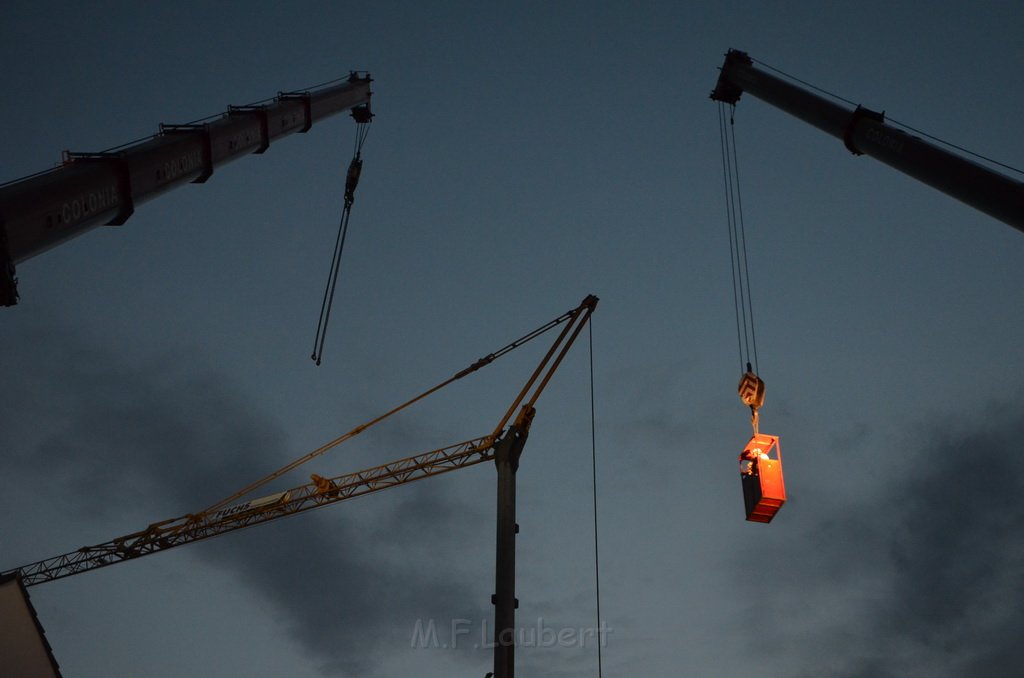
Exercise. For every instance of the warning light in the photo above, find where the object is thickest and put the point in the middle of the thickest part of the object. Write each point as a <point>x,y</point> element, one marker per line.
<point>764,491</point>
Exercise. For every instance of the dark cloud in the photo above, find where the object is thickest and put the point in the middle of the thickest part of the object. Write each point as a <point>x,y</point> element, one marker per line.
<point>922,576</point>
<point>142,442</point>
<point>347,604</point>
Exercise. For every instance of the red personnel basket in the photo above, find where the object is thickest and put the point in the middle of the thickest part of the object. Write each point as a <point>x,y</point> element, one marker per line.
<point>764,491</point>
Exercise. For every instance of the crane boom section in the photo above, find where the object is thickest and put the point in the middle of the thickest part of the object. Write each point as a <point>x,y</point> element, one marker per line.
<point>44,210</point>
<point>322,492</point>
<point>866,132</point>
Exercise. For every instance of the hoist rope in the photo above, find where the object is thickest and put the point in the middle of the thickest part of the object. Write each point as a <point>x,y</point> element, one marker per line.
<point>743,238</point>
<point>593,467</point>
<point>746,337</point>
<point>351,181</point>
<point>729,221</point>
<point>332,281</point>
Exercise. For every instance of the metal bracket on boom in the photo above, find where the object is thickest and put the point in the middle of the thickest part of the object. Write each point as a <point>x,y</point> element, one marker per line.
<point>203,130</point>
<point>307,106</point>
<point>261,113</point>
<point>124,180</point>
<point>859,113</point>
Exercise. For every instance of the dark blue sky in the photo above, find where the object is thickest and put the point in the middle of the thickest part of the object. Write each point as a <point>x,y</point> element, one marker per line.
<point>522,157</point>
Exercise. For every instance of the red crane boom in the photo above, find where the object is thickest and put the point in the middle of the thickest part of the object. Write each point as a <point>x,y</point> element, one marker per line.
<point>865,132</point>
<point>88,189</point>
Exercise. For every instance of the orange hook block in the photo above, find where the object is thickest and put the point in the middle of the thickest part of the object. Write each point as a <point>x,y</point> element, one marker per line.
<point>751,390</point>
<point>764,491</point>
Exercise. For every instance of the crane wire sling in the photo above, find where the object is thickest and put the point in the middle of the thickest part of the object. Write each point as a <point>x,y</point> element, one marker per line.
<point>351,181</point>
<point>745,336</point>
<point>593,468</point>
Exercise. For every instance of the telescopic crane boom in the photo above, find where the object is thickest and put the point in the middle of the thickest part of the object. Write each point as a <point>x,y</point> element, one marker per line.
<point>88,189</point>
<point>865,132</point>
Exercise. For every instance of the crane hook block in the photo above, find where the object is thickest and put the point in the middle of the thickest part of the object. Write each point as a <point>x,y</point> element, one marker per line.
<point>361,113</point>
<point>355,168</point>
<point>751,390</point>
<point>764,491</point>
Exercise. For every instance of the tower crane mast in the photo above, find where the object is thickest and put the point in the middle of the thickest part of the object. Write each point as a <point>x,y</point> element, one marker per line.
<point>865,132</point>
<point>46,209</point>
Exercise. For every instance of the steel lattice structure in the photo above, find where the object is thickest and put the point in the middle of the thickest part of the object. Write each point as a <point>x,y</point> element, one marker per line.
<point>321,492</point>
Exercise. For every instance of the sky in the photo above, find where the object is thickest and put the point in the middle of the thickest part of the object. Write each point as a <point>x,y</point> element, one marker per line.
<point>523,155</point>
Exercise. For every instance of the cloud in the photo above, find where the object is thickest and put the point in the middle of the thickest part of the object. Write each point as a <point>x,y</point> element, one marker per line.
<point>169,433</point>
<point>345,603</point>
<point>921,577</point>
